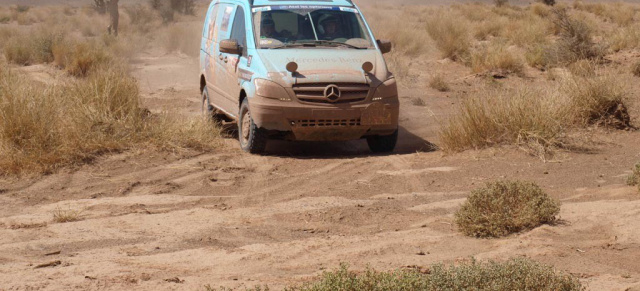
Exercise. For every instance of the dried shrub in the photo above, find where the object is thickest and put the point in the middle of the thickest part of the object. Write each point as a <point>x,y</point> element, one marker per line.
<point>548,2</point>
<point>438,82</point>
<point>495,117</point>
<point>575,41</point>
<point>43,128</point>
<point>417,101</point>
<point>66,215</point>
<point>635,69</point>
<point>100,6</point>
<point>141,18</point>
<point>450,33</point>
<point>513,274</point>
<point>80,58</point>
<point>625,38</point>
<point>500,3</point>
<point>495,58</point>
<point>597,101</point>
<point>505,207</point>
<point>583,68</point>
<point>634,178</point>
<point>31,48</point>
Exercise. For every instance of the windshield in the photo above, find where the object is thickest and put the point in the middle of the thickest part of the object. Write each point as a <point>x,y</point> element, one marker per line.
<point>296,25</point>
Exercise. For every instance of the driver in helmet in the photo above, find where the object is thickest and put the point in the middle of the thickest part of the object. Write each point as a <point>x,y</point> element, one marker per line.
<point>331,28</point>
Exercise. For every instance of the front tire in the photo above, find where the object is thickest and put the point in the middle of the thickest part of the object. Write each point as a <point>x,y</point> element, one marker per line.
<point>383,143</point>
<point>252,138</point>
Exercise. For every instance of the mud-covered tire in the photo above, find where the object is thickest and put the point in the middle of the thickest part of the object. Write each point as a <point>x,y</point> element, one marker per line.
<point>252,138</point>
<point>208,111</point>
<point>383,143</point>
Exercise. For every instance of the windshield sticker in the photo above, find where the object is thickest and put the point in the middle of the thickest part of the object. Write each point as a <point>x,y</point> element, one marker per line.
<point>347,9</point>
<point>312,7</point>
<point>266,41</point>
<point>260,9</point>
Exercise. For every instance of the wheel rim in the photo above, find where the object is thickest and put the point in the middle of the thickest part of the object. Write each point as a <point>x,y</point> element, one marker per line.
<point>246,126</point>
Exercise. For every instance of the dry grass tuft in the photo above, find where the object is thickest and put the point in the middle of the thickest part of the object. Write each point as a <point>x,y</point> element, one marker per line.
<point>33,47</point>
<point>44,128</point>
<point>417,101</point>
<point>505,207</point>
<point>449,31</point>
<point>61,215</point>
<point>513,274</point>
<point>635,69</point>
<point>583,68</point>
<point>625,38</point>
<point>80,58</point>
<point>575,41</point>
<point>634,178</point>
<point>439,83</point>
<point>597,101</point>
<point>500,3</point>
<point>496,58</point>
<point>497,117</point>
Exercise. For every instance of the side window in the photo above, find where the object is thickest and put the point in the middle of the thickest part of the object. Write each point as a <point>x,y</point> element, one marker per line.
<point>225,18</point>
<point>238,31</point>
<point>212,22</point>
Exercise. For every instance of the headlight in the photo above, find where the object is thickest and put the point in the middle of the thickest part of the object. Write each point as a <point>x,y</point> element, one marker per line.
<point>386,90</point>
<point>269,89</point>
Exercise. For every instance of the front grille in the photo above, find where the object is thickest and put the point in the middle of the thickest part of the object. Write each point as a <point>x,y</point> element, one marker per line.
<point>326,122</point>
<point>314,92</point>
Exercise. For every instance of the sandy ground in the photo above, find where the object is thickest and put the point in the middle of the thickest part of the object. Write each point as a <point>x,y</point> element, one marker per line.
<point>238,220</point>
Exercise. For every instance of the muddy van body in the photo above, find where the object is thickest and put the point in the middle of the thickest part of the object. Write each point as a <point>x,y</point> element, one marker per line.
<point>298,70</point>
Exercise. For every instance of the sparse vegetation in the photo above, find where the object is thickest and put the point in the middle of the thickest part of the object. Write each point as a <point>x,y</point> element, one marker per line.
<point>496,58</point>
<point>437,82</point>
<point>635,69</point>
<point>598,100</point>
<point>45,126</point>
<point>634,178</point>
<point>505,207</point>
<point>575,41</point>
<point>548,2</point>
<point>451,36</point>
<point>31,48</point>
<point>514,274</point>
<point>494,117</point>
<point>100,6</point>
<point>500,3</point>
<point>417,101</point>
<point>66,215</point>
<point>101,114</point>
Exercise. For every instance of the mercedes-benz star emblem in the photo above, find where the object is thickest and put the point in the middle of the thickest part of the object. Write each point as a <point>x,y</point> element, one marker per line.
<point>332,93</point>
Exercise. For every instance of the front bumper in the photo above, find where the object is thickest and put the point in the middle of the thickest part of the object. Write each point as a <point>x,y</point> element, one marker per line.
<point>326,123</point>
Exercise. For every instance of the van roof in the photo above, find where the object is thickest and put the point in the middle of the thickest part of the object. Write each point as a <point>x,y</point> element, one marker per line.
<point>302,2</point>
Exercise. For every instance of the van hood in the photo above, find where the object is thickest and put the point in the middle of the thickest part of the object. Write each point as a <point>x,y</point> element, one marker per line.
<point>321,65</point>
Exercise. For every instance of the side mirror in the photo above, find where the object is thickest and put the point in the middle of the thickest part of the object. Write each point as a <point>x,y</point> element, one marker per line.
<point>230,46</point>
<point>384,45</point>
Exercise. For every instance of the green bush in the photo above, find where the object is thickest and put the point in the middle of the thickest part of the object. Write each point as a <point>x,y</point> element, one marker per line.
<point>515,274</point>
<point>505,207</point>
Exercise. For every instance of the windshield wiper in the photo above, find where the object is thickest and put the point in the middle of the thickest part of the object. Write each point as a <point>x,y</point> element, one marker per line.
<point>314,43</point>
<point>337,43</point>
<point>293,44</point>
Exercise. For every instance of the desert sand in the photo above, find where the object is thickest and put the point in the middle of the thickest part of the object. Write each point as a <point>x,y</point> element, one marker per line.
<point>238,220</point>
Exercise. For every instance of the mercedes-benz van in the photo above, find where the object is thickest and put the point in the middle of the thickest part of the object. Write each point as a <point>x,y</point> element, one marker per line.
<point>300,70</point>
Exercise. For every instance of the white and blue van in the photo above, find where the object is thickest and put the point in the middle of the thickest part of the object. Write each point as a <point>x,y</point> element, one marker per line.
<point>297,70</point>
